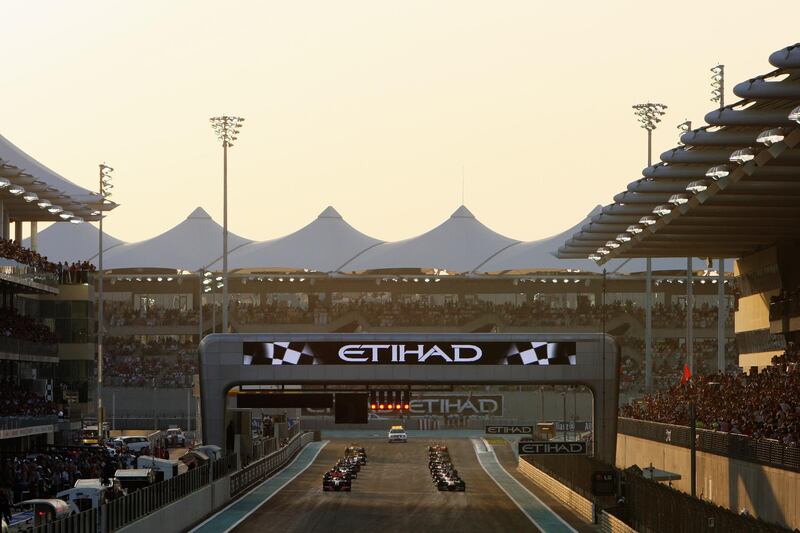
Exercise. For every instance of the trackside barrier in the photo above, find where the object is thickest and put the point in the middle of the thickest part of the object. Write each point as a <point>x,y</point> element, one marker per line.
<point>259,470</point>
<point>85,522</point>
<point>580,505</point>
<point>611,524</point>
<point>764,451</point>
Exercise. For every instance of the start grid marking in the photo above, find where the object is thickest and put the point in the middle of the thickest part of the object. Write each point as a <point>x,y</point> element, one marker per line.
<point>537,512</point>
<point>235,513</point>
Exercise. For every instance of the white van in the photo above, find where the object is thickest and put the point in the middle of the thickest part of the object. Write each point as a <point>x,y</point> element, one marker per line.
<point>89,494</point>
<point>135,443</point>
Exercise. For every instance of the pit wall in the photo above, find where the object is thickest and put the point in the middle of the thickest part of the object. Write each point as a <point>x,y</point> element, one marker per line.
<point>580,505</point>
<point>184,513</point>
<point>766,492</point>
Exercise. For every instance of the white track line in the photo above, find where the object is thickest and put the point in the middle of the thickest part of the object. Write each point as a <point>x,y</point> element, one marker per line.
<point>265,500</point>
<point>523,487</point>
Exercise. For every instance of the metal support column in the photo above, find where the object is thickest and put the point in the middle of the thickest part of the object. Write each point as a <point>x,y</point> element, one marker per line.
<point>722,315</point>
<point>648,327</point>
<point>18,232</point>
<point>689,315</point>
<point>34,235</point>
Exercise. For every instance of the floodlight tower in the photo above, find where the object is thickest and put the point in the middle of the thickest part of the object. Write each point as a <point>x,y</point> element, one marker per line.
<point>649,115</point>
<point>718,85</point>
<point>227,129</point>
<point>105,193</point>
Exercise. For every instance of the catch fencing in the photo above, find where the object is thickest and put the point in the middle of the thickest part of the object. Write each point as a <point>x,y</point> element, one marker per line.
<point>762,451</point>
<point>259,470</point>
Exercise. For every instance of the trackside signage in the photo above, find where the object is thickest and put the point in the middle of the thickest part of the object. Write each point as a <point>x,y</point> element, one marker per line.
<point>509,430</point>
<point>552,448</point>
<point>409,353</point>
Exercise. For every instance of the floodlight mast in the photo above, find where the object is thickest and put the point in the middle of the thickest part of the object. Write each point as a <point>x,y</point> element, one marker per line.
<point>105,192</point>
<point>718,85</point>
<point>226,129</point>
<point>649,115</point>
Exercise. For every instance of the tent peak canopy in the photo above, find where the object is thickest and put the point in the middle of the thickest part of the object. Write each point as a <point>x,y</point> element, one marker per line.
<point>199,213</point>
<point>329,212</point>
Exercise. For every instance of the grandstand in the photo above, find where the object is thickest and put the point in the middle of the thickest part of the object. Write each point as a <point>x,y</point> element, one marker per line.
<point>729,191</point>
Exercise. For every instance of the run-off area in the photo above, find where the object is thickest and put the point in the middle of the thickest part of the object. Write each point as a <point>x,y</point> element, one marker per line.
<point>393,492</point>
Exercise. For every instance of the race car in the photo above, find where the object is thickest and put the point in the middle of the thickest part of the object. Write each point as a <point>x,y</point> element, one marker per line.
<point>346,469</point>
<point>436,448</point>
<point>335,480</point>
<point>397,434</point>
<point>451,483</point>
<point>351,463</point>
<point>358,452</point>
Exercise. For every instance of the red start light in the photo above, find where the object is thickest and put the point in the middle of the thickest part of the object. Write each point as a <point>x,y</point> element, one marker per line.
<point>373,406</point>
<point>390,406</point>
<point>383,406</point>
<point>406,406</point>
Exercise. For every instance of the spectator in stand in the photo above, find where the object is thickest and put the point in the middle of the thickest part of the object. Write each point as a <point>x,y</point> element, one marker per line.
<point>16,401</point>
<point>67,273</point>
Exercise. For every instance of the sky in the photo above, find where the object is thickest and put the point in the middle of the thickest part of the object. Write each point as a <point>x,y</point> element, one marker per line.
<point>381,109</point>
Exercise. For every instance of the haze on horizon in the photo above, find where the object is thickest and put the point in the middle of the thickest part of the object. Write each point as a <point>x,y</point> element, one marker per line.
<point>372,107</point>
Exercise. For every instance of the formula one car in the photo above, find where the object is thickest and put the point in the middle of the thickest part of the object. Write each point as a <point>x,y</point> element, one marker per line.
<point>335,480</point>
<point>434,448</point>
<point>347,469</point>
<point>358,452</point>
<point>451,483</point>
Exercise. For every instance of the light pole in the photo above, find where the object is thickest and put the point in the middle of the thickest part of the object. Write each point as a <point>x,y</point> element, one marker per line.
<point>718,85</point>
<point>649,115</point>
<point>105,192</point>
<point>226,128</point>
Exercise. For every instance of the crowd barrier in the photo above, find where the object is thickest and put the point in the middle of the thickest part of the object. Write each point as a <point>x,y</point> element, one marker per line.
<point>581,505</point>
<point>763,451</point>
<point>611,524</point>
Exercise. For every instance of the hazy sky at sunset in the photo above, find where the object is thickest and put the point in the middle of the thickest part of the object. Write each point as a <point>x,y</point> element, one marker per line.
<point>370,106</point>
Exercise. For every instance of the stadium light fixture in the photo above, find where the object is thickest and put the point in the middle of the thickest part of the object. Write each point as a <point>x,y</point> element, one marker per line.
<point>718,171</point>
<point>44,203</point>
<point>649,115</point>
<point>742,156</point>
<point>105,192</point>
<point>678,199</point>
<point>54,209</point>
<point>76,220</point>
<point>697,186</point>
<point>603,251</point>
<point>65,215</point>
<point>226,129</point>
<point>16,190</point>
<point>612,244</point>
<point>661,210</point>
<point>771,136</point>
<point>595,257</point>
<point>623,237</point>
<point>794,114</point>
<point>4,182</point>
<point>30,197</point>
<point>718,85</point>
<point>634,229</point>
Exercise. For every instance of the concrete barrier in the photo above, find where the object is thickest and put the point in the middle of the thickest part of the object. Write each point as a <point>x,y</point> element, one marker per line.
<point>611,524</point>
<point>184,513</point>
<point>580,505</point>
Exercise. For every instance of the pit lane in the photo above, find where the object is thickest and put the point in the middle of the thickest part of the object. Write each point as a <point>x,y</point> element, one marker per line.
<point>393,492</point>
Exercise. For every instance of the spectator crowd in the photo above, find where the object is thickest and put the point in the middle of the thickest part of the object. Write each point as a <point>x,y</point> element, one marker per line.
<point>22,327</point>
<point>763,405</point>
<point>17,401</point>
<point>66,272</point>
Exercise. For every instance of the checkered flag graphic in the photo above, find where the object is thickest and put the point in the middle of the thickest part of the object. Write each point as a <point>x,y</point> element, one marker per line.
<point>282,353</point>
<point>541,353</point>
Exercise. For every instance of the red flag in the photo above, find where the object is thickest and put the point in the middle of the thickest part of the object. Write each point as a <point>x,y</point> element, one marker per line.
<point>687,374</point>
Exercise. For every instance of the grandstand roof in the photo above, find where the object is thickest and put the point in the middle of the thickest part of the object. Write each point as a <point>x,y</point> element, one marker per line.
<point>25,171</point>
<point>63,241</point>
<point>751,199</point>
<point>191,245</point>
<point>459,244</point>
<point>323,245</point>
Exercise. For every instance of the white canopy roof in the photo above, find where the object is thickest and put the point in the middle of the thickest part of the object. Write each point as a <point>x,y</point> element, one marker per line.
<point>12,155</point>
<point>191,245</point>
<point>323,245</point>
<point>540,255</point>
<point>63,241</point>
<point>459,244</point>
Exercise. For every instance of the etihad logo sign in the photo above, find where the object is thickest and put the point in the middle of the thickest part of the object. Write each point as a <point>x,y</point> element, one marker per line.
<point>552,448</point>
<point>402,353</point>
<point>509,430</point>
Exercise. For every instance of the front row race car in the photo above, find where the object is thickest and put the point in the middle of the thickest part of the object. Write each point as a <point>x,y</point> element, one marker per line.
<point>336,480</point>
<point>444,474</point>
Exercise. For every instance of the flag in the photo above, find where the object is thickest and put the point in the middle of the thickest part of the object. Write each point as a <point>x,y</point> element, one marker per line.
<point>687,374</point>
